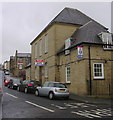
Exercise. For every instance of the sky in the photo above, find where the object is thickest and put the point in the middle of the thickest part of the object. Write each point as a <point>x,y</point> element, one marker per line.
<point>21,22</point>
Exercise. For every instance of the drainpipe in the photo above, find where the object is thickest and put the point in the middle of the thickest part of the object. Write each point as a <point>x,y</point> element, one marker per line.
<point>90,81</point>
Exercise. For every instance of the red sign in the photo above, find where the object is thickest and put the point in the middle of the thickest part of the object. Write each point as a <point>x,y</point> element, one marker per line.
<point>39,60</point>
<point>19,63</point>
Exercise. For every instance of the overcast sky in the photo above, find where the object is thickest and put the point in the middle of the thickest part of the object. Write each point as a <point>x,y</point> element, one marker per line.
<point>22,22</point>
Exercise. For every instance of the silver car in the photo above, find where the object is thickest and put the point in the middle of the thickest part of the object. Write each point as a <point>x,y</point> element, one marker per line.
<point>52,90</point>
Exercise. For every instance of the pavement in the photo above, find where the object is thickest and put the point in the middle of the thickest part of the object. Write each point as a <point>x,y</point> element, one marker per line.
<point>92,99</point>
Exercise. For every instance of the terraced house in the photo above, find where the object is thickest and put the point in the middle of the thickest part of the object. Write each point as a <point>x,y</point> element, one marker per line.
<point>76,50</point>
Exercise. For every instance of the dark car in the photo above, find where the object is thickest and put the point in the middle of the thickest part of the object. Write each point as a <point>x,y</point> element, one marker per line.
<point>14,83</point>
<point>28,86</point>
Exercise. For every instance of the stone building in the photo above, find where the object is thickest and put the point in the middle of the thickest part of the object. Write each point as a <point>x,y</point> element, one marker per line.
<point>19,62</point>
<point>71,49</point>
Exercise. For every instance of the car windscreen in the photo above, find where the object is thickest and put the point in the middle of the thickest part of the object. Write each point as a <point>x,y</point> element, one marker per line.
<point>17,81</point>
<point>60,85</point>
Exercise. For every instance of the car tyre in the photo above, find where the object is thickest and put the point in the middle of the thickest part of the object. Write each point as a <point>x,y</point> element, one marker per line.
<point>51,95</point>
<point>26,90</point>
<point>37,93</point>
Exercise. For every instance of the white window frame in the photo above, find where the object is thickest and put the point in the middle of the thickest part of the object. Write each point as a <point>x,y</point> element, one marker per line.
<point>102,71</point>
<point>46,43</point>
<point>68,75</point>
<point>40,47</point>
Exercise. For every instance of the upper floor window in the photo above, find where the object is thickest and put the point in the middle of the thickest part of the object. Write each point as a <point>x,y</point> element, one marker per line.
<point>98,70</point>
<point>36,50</point>
<point>67,45</point>
<point>107,40</point>
<point>20,60</point>
<point>46,43</point>
<point>41,47</point>
<point>68,74</point>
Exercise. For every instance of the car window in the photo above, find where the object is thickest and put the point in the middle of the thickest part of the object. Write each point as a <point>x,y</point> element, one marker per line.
<point>32,82</point>
<point>60,85</point>
<point>45,84</point>
<point>51,85</point>
<point>16,81</point>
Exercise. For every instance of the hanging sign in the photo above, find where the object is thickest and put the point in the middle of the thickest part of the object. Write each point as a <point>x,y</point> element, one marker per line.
<point>80,52</point>
<point>39,62</point>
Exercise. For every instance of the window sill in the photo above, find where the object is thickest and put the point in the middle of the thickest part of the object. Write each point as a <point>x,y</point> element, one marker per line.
<point>98,78</point>
<point>68,83</point>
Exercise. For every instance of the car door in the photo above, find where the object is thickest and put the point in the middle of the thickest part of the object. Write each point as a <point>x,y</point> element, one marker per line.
<point>43,89</point>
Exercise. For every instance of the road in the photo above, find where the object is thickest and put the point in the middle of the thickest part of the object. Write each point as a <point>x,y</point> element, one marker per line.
<point>20,105</point>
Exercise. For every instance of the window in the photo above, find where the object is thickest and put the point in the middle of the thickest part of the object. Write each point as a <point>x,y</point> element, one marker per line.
<point>68,74</point>
<point>67,45</point>
<point>20,60</point>
<point>107,40</point>
<point>98,71</point>
<point>46,43</point>
<point>20,66</point>
<point>46,70</point>
<point>41,47</point>
<point>36,50</point>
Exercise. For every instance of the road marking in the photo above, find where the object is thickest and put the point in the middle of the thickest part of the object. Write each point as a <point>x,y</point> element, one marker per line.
<point>60,107</point>
<point>82,114</point>
<point>88,112</point>
<point>11,95</point>
<point>40,106</point>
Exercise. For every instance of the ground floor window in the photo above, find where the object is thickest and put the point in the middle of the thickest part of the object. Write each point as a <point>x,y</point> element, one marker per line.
<point>98,70</point>
<point>20,66</point>
<point>68,74</point>
<point>46,70</point>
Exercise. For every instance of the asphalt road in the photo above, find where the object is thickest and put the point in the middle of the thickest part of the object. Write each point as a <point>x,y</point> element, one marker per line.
<point>20,105</point>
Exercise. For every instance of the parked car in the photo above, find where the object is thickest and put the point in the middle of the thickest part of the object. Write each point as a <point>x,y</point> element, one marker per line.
<point>14,83</point>
<point>52,90</point>
<point>6,80</point>
<point>28,86</point>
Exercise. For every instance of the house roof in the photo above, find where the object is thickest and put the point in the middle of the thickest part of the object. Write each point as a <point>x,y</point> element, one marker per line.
<point>69,16</point>
<point>87,33</point>
<point>23,55</point>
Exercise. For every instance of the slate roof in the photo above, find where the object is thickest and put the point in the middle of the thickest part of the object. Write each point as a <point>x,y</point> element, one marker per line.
<point>23,55</point>
<point>69,16</point>
<point>87,33</point>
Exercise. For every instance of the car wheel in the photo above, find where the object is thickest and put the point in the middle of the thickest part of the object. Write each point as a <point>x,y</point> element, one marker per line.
<point>18,88</point>
<point>51,95</point>
<point>37,93</point>
<point>26,90</point>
